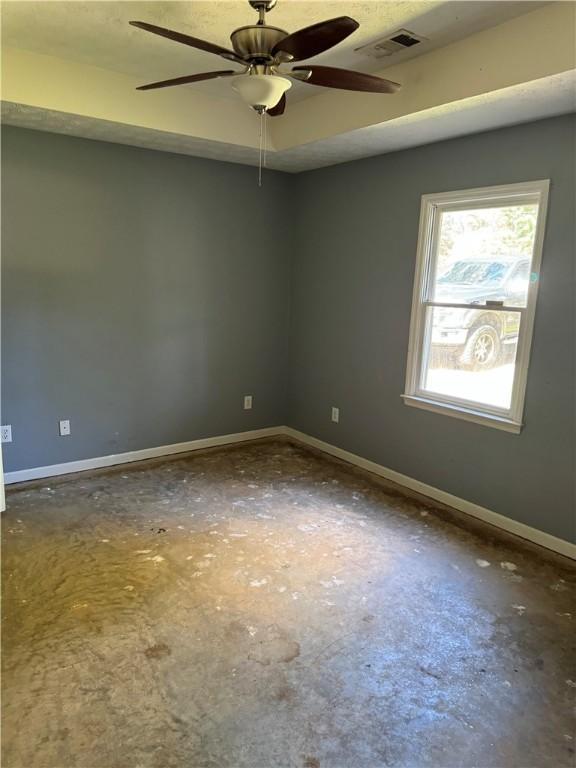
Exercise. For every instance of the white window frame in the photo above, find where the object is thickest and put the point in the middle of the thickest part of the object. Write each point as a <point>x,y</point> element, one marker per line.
<point>524,193</point>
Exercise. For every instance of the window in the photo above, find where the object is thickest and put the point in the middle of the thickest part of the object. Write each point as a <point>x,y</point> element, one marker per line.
<point>477,272</point>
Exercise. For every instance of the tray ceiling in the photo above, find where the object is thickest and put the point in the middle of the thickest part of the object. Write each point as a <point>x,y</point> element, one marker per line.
<point>97,33</point>
<point>72,67</point>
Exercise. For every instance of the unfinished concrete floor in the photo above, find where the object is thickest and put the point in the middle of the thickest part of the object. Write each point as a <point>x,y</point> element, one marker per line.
<point>263,605</point>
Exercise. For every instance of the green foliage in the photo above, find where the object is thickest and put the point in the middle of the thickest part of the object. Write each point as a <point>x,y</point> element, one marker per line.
<point>487,232</point>
<point>519,228</point>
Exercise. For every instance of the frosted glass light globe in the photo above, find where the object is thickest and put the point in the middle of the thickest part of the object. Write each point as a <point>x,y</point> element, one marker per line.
<point>261,90</point>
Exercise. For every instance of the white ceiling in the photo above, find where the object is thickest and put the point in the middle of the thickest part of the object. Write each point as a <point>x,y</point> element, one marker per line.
<point>98,34</point>
<point>509,106</point>
<point>537,100</point>
<point>72,67</point>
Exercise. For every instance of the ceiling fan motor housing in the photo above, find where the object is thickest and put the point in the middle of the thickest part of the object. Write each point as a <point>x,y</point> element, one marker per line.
<point>256,42</point>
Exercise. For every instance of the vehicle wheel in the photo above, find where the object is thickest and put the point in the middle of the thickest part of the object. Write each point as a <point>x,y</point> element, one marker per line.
<point>482,350</point>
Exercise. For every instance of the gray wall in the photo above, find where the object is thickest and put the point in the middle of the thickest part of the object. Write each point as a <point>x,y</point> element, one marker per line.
<point>143,294</point>
<point>352,285</point>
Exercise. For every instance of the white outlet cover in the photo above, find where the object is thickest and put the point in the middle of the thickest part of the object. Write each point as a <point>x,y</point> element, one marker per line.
<point>247,402</point>
<point>64,427</point>
<point>335,415</point>
<point>6,433</point>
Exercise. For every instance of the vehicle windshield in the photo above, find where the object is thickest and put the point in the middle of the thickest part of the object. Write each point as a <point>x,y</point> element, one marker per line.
<point>474,272</point>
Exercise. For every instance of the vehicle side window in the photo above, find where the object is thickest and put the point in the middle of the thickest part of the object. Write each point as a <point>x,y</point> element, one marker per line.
<point>521,272</point>
<point>517,285</point>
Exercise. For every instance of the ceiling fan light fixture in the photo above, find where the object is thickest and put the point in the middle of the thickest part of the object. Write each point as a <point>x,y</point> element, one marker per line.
<point>261,91</point>
<point>261,49</point>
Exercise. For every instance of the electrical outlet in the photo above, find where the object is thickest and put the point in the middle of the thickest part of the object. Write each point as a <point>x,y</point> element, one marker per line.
<point>335,415</point>
<point>64,427</point>
<point>6,432</point>
<point>247,402</point>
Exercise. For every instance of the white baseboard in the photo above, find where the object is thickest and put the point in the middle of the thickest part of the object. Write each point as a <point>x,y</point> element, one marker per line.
<point>481,513</point>
<point>565,548</point>
<point>98,462</point>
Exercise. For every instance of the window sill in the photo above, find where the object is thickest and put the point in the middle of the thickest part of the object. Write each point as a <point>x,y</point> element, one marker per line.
<point>468,414</point>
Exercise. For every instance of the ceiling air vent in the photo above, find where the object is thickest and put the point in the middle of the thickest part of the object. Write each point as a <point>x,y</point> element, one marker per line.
<point>396,42</point>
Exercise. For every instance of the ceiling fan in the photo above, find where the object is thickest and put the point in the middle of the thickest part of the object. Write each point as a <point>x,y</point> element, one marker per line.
<point>262,49</point>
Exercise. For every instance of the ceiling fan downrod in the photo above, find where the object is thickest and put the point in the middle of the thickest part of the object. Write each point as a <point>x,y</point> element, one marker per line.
<point>262,6</point>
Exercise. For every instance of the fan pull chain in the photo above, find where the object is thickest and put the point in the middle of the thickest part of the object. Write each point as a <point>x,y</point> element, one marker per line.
<point>265,116</point>
<point>263,145</point>
<point>260,149</point>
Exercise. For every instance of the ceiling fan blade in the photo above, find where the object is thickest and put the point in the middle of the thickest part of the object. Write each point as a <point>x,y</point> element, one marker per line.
<point>279,108</point>
<point>195,42</point>
<point>187,79</point>
<point>313,40</point>
<point>332,77</point>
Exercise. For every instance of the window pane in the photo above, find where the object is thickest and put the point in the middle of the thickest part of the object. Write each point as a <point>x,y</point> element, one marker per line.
<point>485,255</point>
<point>470,354</point>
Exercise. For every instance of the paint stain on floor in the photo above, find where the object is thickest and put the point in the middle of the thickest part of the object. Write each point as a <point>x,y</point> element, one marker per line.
<point>263,605</point>
<point>158,651</point>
